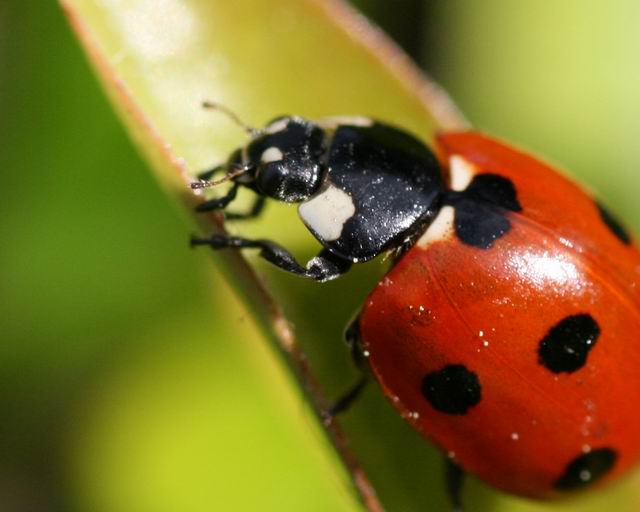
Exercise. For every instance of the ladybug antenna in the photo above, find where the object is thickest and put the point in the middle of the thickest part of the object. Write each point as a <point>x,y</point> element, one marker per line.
<point>234,173</point>
<point>212,105</point>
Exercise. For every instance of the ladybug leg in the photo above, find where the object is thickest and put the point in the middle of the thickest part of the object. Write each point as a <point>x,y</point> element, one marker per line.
<point>209,173</point>
<point>326,266</point>
<point>252,213</point>
<point>454,480</point>
<point>323,267</point>
<point>352,337</point>
<point>220,202</point>
<point>347,399</point>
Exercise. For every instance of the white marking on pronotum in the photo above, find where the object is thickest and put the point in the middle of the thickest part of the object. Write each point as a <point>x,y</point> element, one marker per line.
<point>335,121</point>
<point>272,154</point>
<point>277,126</point>
<point>441,228</point>
<point>462,172</point>
<point>327,212</point>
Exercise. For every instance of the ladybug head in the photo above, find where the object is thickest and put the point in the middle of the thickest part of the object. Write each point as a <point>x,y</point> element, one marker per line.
<point>282,161</point>
<point>286,159</point>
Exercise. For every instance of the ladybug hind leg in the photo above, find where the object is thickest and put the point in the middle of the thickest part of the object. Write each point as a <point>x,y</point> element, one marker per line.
<point>351,395</point>
<point>454,477</point>
<point>347,399</point>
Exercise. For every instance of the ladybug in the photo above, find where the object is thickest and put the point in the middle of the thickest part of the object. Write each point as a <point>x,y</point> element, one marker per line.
<point>504,330</point>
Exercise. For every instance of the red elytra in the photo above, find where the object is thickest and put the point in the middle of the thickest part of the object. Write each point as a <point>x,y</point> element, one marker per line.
<point>534,337</point>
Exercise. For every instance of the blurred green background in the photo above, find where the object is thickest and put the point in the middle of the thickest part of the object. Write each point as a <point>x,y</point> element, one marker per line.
<point>127,381</point>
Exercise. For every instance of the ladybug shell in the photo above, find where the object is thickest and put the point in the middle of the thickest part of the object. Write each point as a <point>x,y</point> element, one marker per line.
<point>516,352</point>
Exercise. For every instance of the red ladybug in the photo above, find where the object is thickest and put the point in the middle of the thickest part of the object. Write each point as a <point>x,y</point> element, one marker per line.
<point>504,331</point>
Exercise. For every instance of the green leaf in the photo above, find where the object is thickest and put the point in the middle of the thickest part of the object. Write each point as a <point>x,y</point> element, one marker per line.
<point>159,59</point>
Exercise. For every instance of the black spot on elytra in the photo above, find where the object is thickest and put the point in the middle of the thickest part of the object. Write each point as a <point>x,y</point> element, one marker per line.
<point>567,344</point>
<point>613,224</point>
<point>495,190</point>
<point>481,209</point>
<point>586,469</point>
<point>478,224</point>
<point>452,390</point>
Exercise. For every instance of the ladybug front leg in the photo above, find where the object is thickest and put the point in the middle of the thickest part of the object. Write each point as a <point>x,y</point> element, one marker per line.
<point>209,173</point>
<point>454,480</point>
<point>252,213</point>
<point>324,267</point>
<point>219,203</point>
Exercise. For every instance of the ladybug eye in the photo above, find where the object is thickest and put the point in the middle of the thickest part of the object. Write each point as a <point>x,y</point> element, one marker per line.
<point>285,181</point>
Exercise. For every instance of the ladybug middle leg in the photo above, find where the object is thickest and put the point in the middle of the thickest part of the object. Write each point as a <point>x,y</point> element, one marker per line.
<point>324,267</point>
